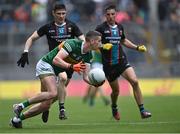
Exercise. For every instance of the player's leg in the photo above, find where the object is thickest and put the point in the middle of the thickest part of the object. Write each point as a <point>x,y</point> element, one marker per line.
<point>92,94</point>
<point>130,75</point>
<point>36,109</point>
<point>114,98</point>
<point>32,111</point>
<point>45,114</point>
<point>63,82</point>
<point>49,82</point>
<point>105,100</point>
<point>112,73</point>
<point>87,95</point>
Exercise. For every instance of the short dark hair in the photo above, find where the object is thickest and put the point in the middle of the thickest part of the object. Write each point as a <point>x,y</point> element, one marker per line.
<point>58,6</point>
<point>92,34</point>
<point>109,7</point>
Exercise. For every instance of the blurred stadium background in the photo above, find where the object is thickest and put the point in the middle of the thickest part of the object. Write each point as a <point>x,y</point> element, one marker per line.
<point>155,23</point>
<point>152,22</point>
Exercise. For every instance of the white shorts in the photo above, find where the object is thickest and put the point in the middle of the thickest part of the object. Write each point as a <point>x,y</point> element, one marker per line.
<point>43,68</point>
<point>97,65</point>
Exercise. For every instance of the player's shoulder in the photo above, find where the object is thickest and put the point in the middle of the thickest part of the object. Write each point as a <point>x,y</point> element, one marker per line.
<point>72,44</point>
<point>49,24</point>
<point>102,25</point>
<point>119,25</point>
<point>69,22</point>
<point>73,41</point>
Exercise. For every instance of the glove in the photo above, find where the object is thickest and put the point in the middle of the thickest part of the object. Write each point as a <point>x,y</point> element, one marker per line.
<point>23,60</point>
<point>79,67</point>
<point>141,48</point>
<point>100,84</point>
<point>107,46</point>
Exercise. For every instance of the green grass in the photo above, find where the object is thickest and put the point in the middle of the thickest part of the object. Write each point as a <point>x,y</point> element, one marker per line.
<point>98,119</point>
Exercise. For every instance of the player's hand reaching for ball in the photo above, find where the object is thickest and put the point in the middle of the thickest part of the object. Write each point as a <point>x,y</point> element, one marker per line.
<point>23,60</point>
<point>79,67</point>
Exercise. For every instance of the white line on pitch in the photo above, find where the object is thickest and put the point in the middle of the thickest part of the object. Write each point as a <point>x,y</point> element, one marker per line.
<point>121,123</point>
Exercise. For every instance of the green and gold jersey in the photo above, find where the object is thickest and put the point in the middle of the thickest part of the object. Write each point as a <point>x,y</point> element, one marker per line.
<point>96,56</point>
<point>74,48</point>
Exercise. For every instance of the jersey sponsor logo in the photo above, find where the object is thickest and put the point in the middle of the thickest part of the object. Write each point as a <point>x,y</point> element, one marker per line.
<point>115,32</point>
<point>51,31</point>
<point>114,40</point>
<point>107,31</point>
<point>61,30</point>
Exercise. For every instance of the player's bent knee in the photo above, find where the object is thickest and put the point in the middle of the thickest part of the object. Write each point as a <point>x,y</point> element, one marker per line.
<point>63,79</point>
<point>134,82</point>
<point>52,94</point>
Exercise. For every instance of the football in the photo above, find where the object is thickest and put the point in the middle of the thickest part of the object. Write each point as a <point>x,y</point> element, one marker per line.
<point>96,76</point>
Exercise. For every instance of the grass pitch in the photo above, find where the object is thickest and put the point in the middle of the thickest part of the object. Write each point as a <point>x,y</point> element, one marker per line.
<point>98,119</point>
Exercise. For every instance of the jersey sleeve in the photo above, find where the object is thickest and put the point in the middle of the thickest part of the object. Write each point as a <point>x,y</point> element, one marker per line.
<point>66,46</point>
<point>42,30</point>
<point>98,28</point>
<point>123,35</point>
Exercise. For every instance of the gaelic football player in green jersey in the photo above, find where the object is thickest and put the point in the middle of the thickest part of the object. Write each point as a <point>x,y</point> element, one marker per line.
<point>56,31</point>
<point>71,55</point>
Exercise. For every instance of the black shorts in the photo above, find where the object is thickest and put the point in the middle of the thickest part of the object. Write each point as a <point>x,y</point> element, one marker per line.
<point>69,74</point>
<point>112,72</point>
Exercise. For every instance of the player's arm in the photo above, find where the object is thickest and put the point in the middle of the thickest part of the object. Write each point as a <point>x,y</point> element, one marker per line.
<point>60,62</point>
<point>85,74</point>
<point>131,45</point>
<point>24,56</point>
<point>59,59</point>
<point>30,41</point>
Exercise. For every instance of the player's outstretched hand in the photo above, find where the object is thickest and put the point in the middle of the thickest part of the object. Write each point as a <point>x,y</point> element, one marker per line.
<point>79,67</point>
<point>141,48</point>
<point>23,60</point>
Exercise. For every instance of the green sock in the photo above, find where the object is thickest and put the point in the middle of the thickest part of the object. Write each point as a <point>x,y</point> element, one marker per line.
<point>26,103</point>
<point>22,117</point>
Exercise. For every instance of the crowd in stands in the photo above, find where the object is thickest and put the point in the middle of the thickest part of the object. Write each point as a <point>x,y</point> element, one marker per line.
<point>21,12</point>
<point>91,10</point>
